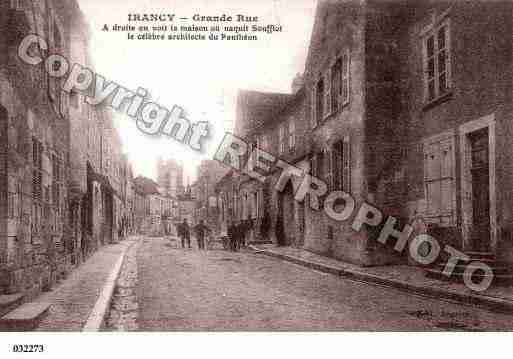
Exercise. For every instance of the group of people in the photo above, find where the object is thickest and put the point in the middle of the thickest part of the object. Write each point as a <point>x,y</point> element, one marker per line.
<point>184,233</point>
<point>236,234</point>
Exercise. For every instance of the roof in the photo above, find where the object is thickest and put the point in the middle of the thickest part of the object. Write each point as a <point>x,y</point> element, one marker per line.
<point>145,185</point>
<point>255,108</point>
<point>225,179</point>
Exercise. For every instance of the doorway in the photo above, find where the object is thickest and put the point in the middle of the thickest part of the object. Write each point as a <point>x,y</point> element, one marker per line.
<point>480,173</point>
<point>478,198</point>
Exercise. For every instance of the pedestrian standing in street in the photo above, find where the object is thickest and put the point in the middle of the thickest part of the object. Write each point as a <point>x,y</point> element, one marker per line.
<point>244,229</point>
<point>184,233</point>
<point>201,230</point>
<point>179,233</point>
<point>280,231</point>
<point>239,235</point>
<point>231,236</point>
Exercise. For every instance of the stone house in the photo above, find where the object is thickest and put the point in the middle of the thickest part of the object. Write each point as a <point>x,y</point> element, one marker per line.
<point>408,103</point>
<point>49,182</point>
<point>454,73</point>
<point>275,123</point>
<point>35,246</point>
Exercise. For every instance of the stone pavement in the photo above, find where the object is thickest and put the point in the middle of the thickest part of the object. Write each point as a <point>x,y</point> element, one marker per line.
<point>73,300</point>
<point>404,277</point>
<point>216,290</point>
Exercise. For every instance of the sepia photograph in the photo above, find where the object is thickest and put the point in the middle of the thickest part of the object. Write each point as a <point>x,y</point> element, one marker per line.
<point>286,168</point>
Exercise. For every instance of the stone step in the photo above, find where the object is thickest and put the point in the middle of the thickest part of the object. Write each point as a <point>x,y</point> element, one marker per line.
<point>457,276</point>
<point>24,318</point>
<point>9,302</point>
<point>498,267</point>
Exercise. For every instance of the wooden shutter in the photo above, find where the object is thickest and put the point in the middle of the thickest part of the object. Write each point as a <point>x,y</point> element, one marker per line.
<point>432,178</point>
<point>344,93</point>
<point>346,170</point>
<point>447,178</point>
<point>313,118</point>
<point>37,177</point>
<point>329,169</point>
<point>320,165</point>
<point>313,169</point>
<point>327,93</point>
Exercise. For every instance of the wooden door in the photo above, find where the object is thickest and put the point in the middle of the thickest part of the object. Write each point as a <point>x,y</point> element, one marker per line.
<point>480,191</point>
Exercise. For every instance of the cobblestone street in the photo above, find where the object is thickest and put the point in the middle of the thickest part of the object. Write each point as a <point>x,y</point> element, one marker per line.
<point>124,306</point>
<point>218,290</point>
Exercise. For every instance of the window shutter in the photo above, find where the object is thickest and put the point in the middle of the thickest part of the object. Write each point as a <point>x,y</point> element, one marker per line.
<point>313,120</point>
<point>327,94</point>
<point>329,169</point>
<point>313,169</point>
<point>346,154</point>
<point>337,165</point>
<point>320,165</point>
<point>344,93</point>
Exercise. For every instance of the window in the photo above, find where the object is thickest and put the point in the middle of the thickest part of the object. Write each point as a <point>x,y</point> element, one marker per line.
<point>255,205</point>
<point>12,197</point>
<point>327,94</point>
<point>340,83</point>
<point>313,107</point>
<point>340,165</point>
<point>439,181</point>
<point>319,104</point>
<point>63,104</point>
<point>56,182</point>
<point>37,162</point>
<point>292,134</point>
<point>73,99</point>
<point>281,135</point>
<point>436,61</point>
<point>17,4</point>
<point>325,28</point>
<point>345,83</point>
<point>336,80</point>
<point>320,165</point>
<point>57,38</point>
<point>19,189</point>
<point>328,169</point>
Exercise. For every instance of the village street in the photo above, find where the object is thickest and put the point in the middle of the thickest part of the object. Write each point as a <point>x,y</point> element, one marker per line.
<point>185,290</point>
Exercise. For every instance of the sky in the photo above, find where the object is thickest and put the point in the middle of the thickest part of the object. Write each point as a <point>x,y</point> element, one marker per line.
<point>202,77</point>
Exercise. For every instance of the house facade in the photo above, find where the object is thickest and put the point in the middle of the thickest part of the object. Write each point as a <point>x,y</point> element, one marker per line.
<point>407,107</point>
<point>35,246</point>
<point>458,113</point>
<point>275,123</point>
<point>50,179</point>
<point>407,111</point>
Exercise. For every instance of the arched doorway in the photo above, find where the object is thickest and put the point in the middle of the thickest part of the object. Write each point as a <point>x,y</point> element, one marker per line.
<point>285,218</point>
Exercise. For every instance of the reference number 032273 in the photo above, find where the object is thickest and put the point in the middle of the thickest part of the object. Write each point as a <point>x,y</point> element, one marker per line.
<point>27,348</point>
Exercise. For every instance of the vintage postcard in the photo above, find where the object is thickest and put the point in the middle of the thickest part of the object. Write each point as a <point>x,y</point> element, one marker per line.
<point>255,166</point>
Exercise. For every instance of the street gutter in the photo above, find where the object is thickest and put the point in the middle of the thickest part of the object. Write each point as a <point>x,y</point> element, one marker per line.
<point>101,308</point>
<point>471,299</point>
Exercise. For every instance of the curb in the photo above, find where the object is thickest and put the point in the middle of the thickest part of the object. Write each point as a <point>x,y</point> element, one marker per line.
<point>97,316</point>
<point>491,303</point>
